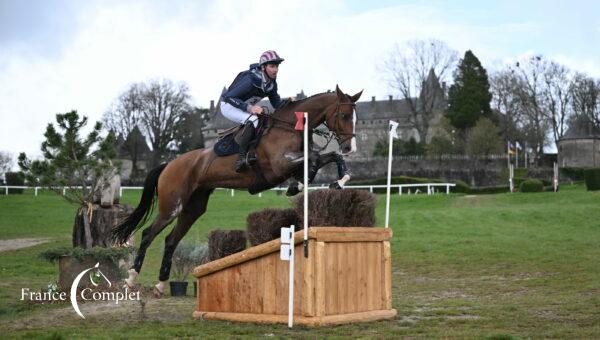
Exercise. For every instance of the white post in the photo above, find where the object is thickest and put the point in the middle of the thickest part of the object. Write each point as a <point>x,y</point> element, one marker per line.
<point>447,190</point>
<point>555,177</point>
<point>516,155</point>
<point>510,179</point>
<point>392,133</point>
<point>399,190</point>
<point>64,191</point>
<point>371,189</point>
<point>232,192</point>
<point>120,191</point>
<point>291,283</point>
<point>260,194</point>
<point>36,191</point>
<point>305,212</point>
<point>6,190</point>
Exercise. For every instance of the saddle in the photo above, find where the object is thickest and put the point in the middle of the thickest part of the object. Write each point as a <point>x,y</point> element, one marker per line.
<point>228,140</point>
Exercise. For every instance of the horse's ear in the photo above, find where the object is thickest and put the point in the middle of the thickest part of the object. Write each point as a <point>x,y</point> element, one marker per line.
<point>339,92</point>
<point>355,97</point>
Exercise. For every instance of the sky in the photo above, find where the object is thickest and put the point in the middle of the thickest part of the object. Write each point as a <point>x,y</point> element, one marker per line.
<point>57,56</point>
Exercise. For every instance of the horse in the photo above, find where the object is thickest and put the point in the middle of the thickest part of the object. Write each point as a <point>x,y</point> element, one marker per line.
<point>183,186</point>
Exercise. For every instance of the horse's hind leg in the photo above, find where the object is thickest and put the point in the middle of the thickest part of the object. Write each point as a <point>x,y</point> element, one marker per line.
<point>148,235</point>
<point>195,207</point>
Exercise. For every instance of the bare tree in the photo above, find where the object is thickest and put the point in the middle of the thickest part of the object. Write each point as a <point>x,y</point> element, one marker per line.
<point>163,105</point>
<point>123,118</point>
<point>530,89</point>
<point>586,97</point>
<point>124,114</point>
<point>557,98</point>
<point>408,68</point>
<point>506,102</point>
<point>6,162</point>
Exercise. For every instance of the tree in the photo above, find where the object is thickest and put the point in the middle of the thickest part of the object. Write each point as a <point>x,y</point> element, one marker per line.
<point>163,107</point>
<point>81,165</point>
<point>484,139</point>
<point>506,103</point>
<point>69,160</point>
<point>585,94</point>
<point>6,162</point>
<point>530,89</point>
<point>123,118</point>
<point>412,70</point>
<point>469,97</point>
<point>189,135</point>
<point>557,98</point>
<point>444,140</point>
<point>156,108</point>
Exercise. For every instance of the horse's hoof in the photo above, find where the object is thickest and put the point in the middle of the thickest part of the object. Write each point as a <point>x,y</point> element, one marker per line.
<point>157,293</point>
<point>292,191</point>
<point>335,185</point>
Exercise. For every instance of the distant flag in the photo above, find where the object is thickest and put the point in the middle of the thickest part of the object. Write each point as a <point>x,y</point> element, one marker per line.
<point>393,129</point>
<point>518,146</point>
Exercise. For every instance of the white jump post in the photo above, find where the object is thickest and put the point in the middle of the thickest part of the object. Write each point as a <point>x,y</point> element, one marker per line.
<point>286,253</point>
<point>392,134</point>
<point>305,212</point>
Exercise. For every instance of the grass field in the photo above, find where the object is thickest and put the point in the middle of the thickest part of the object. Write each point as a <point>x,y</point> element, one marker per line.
<point>489,266</point>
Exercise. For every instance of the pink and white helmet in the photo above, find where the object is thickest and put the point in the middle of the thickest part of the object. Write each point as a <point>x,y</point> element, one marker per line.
<point>270,57</point>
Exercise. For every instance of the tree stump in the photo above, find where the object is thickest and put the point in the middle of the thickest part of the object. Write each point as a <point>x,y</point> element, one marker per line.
<point>93,225</point>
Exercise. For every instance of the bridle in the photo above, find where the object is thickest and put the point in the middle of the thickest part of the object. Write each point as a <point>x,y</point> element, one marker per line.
<point>341,137</point>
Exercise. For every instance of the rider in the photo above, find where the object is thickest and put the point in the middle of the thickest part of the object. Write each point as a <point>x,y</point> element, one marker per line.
<point>248,88</point>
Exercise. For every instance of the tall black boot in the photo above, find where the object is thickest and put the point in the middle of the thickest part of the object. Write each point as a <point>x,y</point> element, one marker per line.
<point>245,139</point>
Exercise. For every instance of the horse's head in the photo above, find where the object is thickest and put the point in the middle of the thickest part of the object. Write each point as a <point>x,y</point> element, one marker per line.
<point>342,120</point>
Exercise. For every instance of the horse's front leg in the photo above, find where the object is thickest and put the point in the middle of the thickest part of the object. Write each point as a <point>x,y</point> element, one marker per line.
<point>342,169</point>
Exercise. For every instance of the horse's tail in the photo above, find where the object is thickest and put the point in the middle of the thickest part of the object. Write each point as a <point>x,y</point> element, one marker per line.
<point>138,217</point>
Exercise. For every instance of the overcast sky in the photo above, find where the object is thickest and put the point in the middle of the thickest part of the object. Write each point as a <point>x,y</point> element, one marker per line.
<point>56,56</point>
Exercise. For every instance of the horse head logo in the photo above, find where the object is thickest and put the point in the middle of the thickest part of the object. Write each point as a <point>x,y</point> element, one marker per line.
<point>95,277</point>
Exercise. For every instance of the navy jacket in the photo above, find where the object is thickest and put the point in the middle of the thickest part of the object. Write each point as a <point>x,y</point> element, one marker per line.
<point>249,87</point>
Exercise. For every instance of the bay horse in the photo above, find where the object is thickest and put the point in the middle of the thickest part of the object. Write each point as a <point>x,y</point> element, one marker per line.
<point>184,185</point>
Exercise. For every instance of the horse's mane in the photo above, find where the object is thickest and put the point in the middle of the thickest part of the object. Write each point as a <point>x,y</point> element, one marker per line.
<point>291,105</point>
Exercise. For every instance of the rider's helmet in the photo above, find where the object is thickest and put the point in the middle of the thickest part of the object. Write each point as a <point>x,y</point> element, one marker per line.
<point>270,57</point>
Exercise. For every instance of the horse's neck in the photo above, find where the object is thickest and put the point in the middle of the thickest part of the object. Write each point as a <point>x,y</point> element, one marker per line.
<point>315,108</point>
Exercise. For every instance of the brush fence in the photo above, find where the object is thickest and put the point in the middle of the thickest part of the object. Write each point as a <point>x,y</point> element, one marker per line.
<point>346,278</point>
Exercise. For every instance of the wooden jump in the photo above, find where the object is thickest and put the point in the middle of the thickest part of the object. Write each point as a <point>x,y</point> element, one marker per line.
<point>346,278</point>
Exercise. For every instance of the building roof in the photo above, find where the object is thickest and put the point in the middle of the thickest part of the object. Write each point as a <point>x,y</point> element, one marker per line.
<point>582,128</point>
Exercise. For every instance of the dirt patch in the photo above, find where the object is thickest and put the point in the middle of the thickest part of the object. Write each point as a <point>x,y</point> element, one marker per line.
<point>169,309</point>
<point>18,243</point>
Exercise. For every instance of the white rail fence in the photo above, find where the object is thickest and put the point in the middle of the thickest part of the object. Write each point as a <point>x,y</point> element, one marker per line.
<point>429,187</point>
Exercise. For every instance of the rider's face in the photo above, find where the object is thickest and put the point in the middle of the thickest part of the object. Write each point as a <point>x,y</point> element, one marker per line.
<point>271,70</point>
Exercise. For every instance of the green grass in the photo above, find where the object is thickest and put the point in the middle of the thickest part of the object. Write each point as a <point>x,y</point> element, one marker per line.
<point>490,266</point>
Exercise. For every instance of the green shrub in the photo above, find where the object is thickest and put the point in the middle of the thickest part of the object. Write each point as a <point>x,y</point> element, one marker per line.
<point>531,185</point>
<point>462,187</point>
<point>15,178</point>
<point>592,179</point>
<point>574,174</point>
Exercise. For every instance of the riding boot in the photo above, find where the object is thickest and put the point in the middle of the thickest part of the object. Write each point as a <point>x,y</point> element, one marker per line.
<point>245,139</point>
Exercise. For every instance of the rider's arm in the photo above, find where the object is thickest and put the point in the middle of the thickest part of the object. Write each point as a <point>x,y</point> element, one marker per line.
<point>237,91</point>
<point>275,99</point>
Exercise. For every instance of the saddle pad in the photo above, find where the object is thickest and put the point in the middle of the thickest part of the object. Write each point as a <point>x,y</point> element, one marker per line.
<point>226,146</point>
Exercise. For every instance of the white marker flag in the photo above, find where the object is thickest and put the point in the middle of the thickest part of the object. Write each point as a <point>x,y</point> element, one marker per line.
<point>393,134</point>
<point>393,129</point>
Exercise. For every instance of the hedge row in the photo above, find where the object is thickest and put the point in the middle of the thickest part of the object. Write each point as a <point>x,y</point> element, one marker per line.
<point>592,179</point>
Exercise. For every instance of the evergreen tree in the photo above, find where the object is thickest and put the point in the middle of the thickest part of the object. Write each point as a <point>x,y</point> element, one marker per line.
<point>469,97</point>
<point>70,160</point>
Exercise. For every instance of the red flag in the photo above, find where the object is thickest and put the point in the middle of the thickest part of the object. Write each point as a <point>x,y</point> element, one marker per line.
<point>300,123</point>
